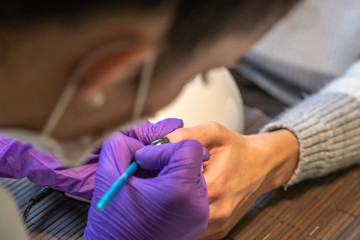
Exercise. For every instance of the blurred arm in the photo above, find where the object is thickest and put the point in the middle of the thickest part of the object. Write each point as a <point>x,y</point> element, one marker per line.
<point>19,160</point>
<point>327,126</point>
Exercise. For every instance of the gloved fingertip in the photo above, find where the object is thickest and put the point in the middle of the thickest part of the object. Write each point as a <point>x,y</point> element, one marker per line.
<point>171,123</point>
<point>145,158</point>
<point>206,154</point>
<point>138,130</point>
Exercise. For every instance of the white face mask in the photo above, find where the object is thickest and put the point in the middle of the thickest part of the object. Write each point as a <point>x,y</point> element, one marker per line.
<point>74,152</point>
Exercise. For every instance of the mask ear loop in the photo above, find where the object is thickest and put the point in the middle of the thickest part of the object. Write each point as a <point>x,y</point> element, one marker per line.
<point>144,84</point>
<point>74,82</point>
<point>62,103</point>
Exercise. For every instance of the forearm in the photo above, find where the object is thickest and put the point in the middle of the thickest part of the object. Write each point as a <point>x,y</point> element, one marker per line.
<point>19,160</point>
<point>327,126</point>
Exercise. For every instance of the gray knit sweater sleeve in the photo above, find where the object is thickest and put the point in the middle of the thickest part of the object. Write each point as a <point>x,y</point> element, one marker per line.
<point>327,125</point>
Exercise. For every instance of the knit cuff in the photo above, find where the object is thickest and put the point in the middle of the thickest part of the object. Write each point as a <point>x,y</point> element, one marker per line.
<point>327,126</point>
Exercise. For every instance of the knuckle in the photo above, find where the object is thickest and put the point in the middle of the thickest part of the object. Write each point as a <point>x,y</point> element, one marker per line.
<point>223,216</point>
<point>215,126</point>
<point>215,192</point>
<point>216,189</point>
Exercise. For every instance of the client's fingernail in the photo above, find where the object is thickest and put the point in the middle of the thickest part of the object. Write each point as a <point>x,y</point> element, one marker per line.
<point>160,141</point>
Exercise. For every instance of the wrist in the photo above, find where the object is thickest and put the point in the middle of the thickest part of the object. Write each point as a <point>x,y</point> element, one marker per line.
<point>283,157</point>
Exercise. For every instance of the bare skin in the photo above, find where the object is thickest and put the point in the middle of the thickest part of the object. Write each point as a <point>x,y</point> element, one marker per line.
<point>241,168</point>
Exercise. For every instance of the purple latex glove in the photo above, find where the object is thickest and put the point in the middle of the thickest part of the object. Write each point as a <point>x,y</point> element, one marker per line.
<point>172,205</point>
<point>19,160</point>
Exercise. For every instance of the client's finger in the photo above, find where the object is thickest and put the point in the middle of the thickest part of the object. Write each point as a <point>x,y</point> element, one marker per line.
<point>208,134</point>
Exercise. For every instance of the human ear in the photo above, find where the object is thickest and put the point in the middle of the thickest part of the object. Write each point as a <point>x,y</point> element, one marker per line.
<point>109,68</point>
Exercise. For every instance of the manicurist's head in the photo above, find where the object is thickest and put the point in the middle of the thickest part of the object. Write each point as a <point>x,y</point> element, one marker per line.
<point>71,70</point>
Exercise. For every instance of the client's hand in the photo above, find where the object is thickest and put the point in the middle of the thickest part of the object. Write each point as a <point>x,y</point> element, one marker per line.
<point>241,168</point>
<point>19,160</point>
<point>172,205</point>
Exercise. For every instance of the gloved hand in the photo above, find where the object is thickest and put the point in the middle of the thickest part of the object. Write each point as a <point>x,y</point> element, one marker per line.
<point>19,160</point>
<point>172,205</point>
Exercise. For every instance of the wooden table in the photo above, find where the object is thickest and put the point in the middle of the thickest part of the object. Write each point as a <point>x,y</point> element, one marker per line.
<point>325,208</point>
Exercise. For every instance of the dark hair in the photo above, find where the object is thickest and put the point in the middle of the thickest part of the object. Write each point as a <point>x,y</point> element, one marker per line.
<point>194,20</point>
<point>198,20</point>
<point>24,12</point>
